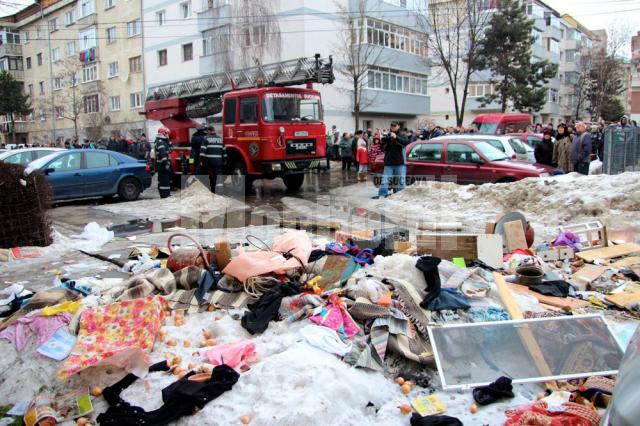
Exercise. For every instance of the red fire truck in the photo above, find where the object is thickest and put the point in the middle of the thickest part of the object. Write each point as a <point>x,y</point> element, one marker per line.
<point>269,128</point>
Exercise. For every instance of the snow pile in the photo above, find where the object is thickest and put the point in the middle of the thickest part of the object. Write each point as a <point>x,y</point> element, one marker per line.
<point>196,201</point>
<point>547,203</point>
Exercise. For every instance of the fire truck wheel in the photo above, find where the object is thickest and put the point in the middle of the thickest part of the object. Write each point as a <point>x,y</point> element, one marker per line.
<point>129,189</point>
<point>293,182</point>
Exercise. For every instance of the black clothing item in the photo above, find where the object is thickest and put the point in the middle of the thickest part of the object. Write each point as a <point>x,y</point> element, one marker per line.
<point>317,254</point>
<point>123,146</point>
<point>500,389</point>
<point>346,163</point>
<point>112,145</point>
<point>557,288</point>
<point>442,420</point>
<point>208,280</point>
<point>163,164</point>
<point>544,152</point>
<point>257,318</point>
<point>429,266</point>
<point>212,151</point>
<point>197,140</point>
<point>181,398</point>
<point>394,150</point>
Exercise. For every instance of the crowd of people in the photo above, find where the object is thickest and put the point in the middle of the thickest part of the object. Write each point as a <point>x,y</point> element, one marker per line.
<point>568,147</point>
<point>139,147</point>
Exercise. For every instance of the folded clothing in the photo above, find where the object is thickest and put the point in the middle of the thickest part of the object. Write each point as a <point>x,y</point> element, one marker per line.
<point>500,389</point>
<point>557,288</point>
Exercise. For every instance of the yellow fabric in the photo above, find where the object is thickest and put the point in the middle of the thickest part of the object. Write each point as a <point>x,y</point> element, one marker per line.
<point>68,306</point>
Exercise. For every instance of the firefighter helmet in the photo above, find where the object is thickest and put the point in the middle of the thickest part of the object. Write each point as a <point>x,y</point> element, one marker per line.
<point>163,133</point>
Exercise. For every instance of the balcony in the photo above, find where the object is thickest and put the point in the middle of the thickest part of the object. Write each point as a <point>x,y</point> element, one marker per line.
<point>89,55</point>
<point>553,32</point>
<point>539,51</point>
<point>17,74</point>
<point>216,62</point>
<point>214,17</point>
<point>539,24</point>
<point>87,21</point>
<point>570,44</point>
<point>10,50</point>
<point>395,103</point>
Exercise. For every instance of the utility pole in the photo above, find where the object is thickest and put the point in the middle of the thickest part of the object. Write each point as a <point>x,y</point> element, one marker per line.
<point>53,106</point>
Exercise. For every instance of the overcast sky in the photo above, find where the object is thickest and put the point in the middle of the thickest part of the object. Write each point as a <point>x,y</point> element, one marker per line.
<point>600,14</point>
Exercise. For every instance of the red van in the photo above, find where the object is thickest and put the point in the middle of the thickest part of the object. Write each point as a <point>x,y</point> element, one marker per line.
<point>491,124</point>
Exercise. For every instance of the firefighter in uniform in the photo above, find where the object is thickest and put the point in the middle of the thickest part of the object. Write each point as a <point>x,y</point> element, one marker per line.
<point>196,145</point>
<point>163,162</point>
<point>212,156</point>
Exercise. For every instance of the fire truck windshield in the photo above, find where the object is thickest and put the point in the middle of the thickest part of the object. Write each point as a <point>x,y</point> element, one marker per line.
<point>291,106</point>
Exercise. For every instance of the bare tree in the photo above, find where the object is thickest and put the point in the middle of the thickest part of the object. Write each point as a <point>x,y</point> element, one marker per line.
<point>619,39</point>
<point>606,81</point>
<point>453,33</point>
<point>355,56</point>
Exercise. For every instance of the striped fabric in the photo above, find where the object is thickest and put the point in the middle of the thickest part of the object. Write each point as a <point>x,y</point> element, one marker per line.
<point>185,300</point>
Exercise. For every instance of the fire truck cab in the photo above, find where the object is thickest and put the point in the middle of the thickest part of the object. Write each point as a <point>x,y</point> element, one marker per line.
<point>273,132</point>
<point>269,128</point>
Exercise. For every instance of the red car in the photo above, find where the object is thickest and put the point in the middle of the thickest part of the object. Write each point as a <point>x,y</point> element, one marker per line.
<point>462,161</point>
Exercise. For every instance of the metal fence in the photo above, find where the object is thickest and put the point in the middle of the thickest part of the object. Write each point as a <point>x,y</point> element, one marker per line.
<point>621,150</point>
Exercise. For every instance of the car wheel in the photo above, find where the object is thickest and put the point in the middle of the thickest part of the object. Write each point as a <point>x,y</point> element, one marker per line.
<point>506,180</point>
<point>293,182</point>
<point>129,189</point>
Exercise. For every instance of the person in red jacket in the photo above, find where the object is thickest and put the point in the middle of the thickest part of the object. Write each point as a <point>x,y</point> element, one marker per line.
<point>362,157</point>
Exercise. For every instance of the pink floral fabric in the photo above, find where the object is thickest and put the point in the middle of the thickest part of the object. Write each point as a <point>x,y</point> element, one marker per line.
<point>43,327</point>
<point>120,334</point>
<point>335,316</point>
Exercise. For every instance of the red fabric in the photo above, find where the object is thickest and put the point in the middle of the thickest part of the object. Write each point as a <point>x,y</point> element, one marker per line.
<point>539,414</point>
<point>362,157</point>
<point>374,151</point>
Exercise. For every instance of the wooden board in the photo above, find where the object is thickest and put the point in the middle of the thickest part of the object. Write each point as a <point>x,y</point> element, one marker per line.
<point>489,247</point>
<point>525,332</point>
<point>514,236</point>
<point>566,303</point>
<point>609,252</point>
<point>588,273</point>
<point>448,246</point>
<point>626,262</point>
<point>625,299</point>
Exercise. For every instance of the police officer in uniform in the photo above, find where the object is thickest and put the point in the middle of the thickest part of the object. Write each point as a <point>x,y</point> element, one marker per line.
<point>212,156</point>
<point>163,162</point>
<point>197,140</point>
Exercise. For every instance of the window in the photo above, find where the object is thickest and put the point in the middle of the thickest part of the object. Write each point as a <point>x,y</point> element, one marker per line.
<point>69,18</point>
<point>88,39</point>
<point>111,35</point>
<point>135,64</point>
<point>114,103</point>
<point>396,81</point>
<point>230,111</point>
<point>27,37</point>
<point>517,146</point>
<point>59,112</point>
<point>87,7</point>
<point>71,48</point>
<point>162,57</point>
<point>28,63</point>
<point>136,100</point>
<point>426,152</point>
<point>161,18</point>
<point>13,36</point>
<point>570,55</point>
<point>113,69</point>
<point>496,144</point>
<point>460,153</point>
<point>73,81</point>
<point>553,96</point>
<point>91,104</point>
<point>31,90</point>
<point>185,9</point>
<point>41,84</point>
<point>133,28</point>
<point>57,83</point>
<point>53,25</point>
<point>66,163</point>
<point>43,116</point>
<point>55,54</point>
<point>394,37</point>
<point>217,40</point>
<point>39,59</point>
<point>96,160</point>
<point>187,52</point>
<point>38,32</point>
<point>480,89</point>
<point>249,110</point>
<point>108,4</point>
<point>255,35</point>
<point>90,73</point>
<point>553,46</point>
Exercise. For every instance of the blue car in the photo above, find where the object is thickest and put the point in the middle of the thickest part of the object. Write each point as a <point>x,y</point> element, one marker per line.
<point>89,173</point>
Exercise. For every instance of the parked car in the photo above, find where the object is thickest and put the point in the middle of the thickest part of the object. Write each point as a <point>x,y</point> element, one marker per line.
<point>26,155</point>
<point>512,147</point>
<point>466,159</point>
<point>490,124</point>
<point>530,139</point>
<point>90,173</point>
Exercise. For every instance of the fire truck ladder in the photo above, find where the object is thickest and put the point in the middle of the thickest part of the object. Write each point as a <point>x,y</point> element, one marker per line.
<point>286,73</point>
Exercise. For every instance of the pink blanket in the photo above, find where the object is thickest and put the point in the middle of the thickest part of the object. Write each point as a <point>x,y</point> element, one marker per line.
<point>233,354</point>
<point>34,324</point>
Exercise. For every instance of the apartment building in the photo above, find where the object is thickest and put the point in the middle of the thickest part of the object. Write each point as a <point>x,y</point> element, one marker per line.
<point>217,35</point>
<point>558,39</point>
<point>82,67</point>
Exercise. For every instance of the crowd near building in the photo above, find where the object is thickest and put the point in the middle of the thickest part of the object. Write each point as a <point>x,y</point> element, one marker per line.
<point>88,64</point>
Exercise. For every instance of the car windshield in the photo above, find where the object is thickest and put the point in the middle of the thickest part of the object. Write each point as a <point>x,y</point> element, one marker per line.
<point>489,152</point>
<point>486,128</point>
<point>40,162</point>
<point>517,146</point>
<point>291,106</point>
